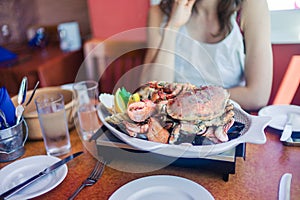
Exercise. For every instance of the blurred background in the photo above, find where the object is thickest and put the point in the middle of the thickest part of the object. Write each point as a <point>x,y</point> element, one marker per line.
<point>97,20</point>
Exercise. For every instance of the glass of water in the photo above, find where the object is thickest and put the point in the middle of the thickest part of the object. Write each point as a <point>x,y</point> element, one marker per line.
<point>53,122</point>
<point>86,95</point>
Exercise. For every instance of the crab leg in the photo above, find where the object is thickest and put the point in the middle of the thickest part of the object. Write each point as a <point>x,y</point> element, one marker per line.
<point>174,135</point>
<point>156,132</point>
<point>134,129</point>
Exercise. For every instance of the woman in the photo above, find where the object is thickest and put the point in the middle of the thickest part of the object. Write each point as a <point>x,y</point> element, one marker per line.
<point>220,29</point>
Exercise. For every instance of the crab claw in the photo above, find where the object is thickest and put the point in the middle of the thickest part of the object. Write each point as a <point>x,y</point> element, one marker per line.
<point>221,131</point>
<point>227,126</point>
<point>140,111</point>
<point>220,134</point>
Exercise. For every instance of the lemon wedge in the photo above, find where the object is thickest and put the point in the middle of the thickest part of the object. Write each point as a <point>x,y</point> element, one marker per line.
<point>133,98</point>
<point>120,105</point>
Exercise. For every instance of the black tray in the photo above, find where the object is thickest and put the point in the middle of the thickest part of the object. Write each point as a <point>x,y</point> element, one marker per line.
<point>110,147</point>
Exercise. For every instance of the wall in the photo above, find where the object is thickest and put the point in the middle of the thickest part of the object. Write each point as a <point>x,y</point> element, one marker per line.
<point>285,36</point>
<point>108,18</point>
<point>18,15</point>
<point>282,53</point>
<point>51,12</point>
<point>21,14</point>
<point>285,26</point>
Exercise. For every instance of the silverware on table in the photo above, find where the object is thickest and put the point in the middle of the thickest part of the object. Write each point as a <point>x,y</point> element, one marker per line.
<point>98,133</point>
<point>92,179</point>
<point>2,115</point>
<point>46,171</point>
<point>285,187</point>
<point>288,128</point>
<point>32,94</point>
<point>21,99</point>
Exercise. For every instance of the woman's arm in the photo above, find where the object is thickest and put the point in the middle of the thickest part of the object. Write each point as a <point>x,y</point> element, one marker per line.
<point>255,23</point>
<point>156,41</point>
<point>161,43</point>
<point>155,17</point>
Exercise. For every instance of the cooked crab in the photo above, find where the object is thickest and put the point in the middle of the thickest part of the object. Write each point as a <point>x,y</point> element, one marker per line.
<point>172,112</point>
<point>204,103</point>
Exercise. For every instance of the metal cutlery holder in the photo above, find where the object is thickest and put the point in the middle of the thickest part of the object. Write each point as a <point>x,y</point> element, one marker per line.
<point>12,141</point>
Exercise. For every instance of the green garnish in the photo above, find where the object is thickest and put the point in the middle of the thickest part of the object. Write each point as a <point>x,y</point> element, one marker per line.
<point>125,95</point>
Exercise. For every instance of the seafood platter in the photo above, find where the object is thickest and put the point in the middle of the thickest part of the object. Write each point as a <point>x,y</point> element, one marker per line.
<point>180,119</point>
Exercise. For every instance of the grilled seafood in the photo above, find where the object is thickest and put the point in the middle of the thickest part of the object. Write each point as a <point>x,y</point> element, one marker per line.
<point>156,132</point>
<point>175,113</point>
<point>140,111</point>
<point>203,103</point>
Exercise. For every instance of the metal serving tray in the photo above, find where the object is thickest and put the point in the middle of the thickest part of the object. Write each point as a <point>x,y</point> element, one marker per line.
<point>110,147</point>
<point>294,140</point>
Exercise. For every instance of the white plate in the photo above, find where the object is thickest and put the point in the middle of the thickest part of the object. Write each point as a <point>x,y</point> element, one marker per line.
<point>279,115</point>
<point>161,187</point>
<point>20,170</point>
<point>252,133</point>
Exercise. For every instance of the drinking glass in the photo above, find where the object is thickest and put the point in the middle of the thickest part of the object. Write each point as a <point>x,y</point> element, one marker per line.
<point>86,95</point>
<point>53,122</point>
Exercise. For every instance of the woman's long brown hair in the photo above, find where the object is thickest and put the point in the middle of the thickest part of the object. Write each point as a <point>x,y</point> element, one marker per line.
<point>225,10</point>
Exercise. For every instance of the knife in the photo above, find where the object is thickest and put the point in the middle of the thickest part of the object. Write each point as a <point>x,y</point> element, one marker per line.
<point>285,187</point>
<point>46,171</point>
<point>288,128</point>
<point>98,133</point>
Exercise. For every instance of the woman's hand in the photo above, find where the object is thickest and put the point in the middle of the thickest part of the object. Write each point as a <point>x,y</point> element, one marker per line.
<point>180,14</point>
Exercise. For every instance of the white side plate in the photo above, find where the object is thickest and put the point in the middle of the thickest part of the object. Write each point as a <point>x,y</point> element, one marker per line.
<point>161,187</point>
<point>21,170</point>
<point>279,115</point>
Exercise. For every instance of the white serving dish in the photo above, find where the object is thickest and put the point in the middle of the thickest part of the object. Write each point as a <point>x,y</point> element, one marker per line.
<point>253,132</point>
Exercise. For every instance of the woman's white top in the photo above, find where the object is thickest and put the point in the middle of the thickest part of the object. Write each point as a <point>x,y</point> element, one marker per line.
<point>219,63</point>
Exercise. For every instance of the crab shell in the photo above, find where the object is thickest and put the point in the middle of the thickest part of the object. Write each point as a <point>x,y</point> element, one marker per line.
<point>203,103</point>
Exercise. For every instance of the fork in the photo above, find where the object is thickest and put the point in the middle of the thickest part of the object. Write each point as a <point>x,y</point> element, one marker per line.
<point>92,179</point>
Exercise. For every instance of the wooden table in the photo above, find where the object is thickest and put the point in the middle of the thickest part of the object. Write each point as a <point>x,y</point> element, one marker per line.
<point>257,177</point>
